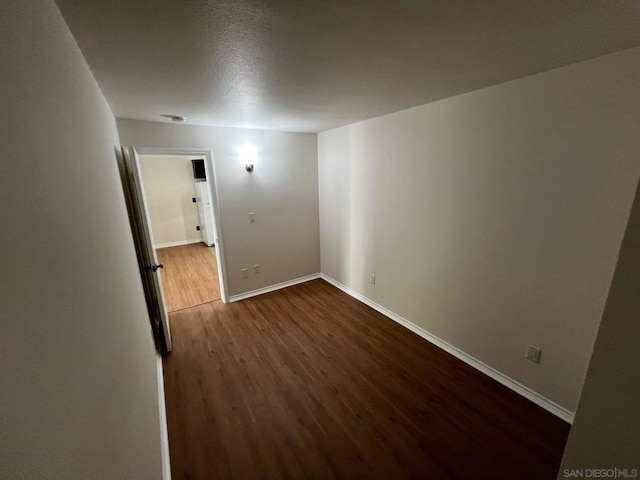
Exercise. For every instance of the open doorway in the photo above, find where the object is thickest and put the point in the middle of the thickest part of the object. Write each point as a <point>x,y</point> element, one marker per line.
<point>181,217</point>
<point>196,273</point>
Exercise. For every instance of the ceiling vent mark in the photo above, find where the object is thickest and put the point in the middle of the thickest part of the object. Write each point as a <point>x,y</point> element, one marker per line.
<point>174,118</point>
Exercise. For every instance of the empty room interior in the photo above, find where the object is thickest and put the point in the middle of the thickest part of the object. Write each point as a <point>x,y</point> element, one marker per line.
<point>320,240</point>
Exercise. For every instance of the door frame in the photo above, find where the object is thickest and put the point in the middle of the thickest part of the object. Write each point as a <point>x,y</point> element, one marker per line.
<point>210,170</point>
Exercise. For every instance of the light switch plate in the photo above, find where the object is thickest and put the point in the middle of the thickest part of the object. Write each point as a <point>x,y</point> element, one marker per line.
<point>534,354</point>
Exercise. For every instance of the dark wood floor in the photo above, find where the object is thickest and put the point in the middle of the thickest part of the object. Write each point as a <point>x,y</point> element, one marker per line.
<point>309,383</point>
<point>189,276</point>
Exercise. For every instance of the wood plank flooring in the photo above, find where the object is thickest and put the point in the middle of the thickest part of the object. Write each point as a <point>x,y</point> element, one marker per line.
<point>309,383</point>
<point>189,276</point>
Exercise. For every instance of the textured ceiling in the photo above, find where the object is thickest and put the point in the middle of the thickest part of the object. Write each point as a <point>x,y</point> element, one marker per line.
<point>316,64</point>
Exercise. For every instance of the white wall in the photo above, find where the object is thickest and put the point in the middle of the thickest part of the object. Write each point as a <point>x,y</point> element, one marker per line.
<point>492,219</point>
<point>78,383</point>
<point>605,430</point>
<point>282,191</point>
<point>169,189</point>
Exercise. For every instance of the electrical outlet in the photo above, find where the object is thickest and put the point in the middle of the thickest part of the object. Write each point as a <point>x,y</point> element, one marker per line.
<point>256,268</point>
<point>252,217</point>
<point>244,272</point>
<point>372,278</point>
<point>534,354</point>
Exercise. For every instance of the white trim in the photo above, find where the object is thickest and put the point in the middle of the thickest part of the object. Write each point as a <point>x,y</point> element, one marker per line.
<point>164,434</point>
<point>535,397</point>
<point>178,243</point>
<point>210,169</point>
<point>271,288</point>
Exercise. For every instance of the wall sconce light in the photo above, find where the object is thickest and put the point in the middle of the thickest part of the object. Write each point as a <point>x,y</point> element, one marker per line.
<point>248,157</point>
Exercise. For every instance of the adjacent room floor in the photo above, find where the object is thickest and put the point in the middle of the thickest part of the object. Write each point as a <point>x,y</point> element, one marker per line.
<point>189,276</point>
<point>307,382</point>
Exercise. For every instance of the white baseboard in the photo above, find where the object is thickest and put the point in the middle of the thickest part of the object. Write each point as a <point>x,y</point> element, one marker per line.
<point>177,244</point>
<point>517,387</point>
<point>271,288</point>
<point>164,433</point>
